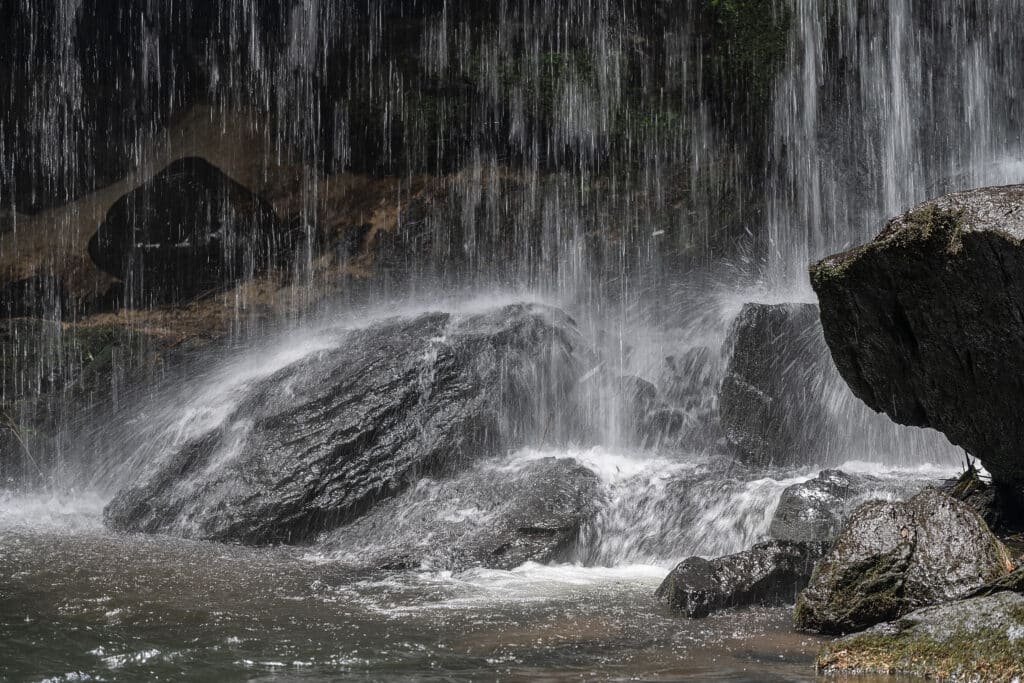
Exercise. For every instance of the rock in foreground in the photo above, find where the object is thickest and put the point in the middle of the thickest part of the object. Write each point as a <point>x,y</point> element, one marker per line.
<point>981,639</point>
<point>498,515</point>
<point>768,574</point>
<point>925,322</point>
<point>319,442</point>
<point>817,509</point>
<point>893,558</point>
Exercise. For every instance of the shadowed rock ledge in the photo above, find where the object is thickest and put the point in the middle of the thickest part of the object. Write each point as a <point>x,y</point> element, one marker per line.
<point>926,323</point>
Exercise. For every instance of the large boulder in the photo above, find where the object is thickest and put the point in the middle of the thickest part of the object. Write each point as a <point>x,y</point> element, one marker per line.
<point>981,639</point>
<point>815,510</point>
<point>925,322</point>
<point>317,443</point>
<point>498,515</point>
<point>772,400</point>
<point>893,558</point>
<point>188,230</point>
<point>770,573</point>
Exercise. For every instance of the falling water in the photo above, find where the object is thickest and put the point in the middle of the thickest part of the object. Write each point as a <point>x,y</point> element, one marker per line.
<point>884,105</point>
<point>647,167</point>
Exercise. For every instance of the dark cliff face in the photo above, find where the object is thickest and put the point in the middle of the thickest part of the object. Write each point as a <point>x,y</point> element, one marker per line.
<point>385,87</point>
<point>925,322</point>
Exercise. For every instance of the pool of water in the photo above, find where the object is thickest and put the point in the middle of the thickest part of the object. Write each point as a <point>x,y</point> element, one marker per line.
<point>79,603</point>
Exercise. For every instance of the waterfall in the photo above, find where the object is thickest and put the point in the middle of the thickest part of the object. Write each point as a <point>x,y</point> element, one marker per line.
<point>882,106</point>
<point>648,167</point>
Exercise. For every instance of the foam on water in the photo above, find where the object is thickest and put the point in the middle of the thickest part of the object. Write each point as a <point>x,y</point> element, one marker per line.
<point>49,512</point>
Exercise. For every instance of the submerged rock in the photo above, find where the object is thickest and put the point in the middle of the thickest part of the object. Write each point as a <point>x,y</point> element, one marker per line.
<point>188,230</point>
<point>816,510</point>
<point>770,573</point>
<point>498,515</point>
<point>893,558</point>
<point>771,403</point>
<point>317,443</point>
<point>981,639</point>
<point>925,322</point>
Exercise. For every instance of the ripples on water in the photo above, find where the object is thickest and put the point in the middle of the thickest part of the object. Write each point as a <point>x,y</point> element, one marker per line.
<point>80,603</point>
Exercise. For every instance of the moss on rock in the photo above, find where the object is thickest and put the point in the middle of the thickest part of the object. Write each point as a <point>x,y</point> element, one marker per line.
<point>981,639</point>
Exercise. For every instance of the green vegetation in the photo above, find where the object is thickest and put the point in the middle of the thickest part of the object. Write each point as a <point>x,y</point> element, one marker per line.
<point>929,228</point>
<point>990,653</point>
<point>748,43</point>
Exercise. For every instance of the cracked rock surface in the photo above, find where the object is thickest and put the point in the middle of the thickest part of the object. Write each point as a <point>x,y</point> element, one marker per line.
<point>320,442</point>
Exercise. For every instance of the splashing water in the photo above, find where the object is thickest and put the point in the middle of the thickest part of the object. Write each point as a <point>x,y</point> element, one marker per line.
<point>609,158</point>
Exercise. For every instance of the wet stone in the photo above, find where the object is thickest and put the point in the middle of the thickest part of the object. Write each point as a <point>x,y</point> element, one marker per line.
<point>893,558</point>
<point>362,421</point>
<point>498,515</point>
<point>771,573</point>
<point>981,639</point>
<point>188,230</point>
<point>817,509</point>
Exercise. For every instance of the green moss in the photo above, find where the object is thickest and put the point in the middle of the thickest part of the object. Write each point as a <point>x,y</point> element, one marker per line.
<point>931,223</point>
<point>986,653</point>
<point>748,44</point>
<point>929,228</point>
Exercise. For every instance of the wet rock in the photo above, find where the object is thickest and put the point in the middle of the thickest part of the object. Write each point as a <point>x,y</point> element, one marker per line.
<point>498,515</point>
<point>188,230</point>
<point>816,510</point>
<point>1013,582</point>
<point>998,505</point>
<point>689,379</point>
<point>925,323</point>
<point>981,639</point>
<point>319,442</point>
<point>689,383</point>
<point>771,573</point>
<point>771,403</point>
<point>893,558</point>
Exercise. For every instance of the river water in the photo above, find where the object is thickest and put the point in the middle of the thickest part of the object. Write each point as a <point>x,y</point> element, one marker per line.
<point>78,602</point>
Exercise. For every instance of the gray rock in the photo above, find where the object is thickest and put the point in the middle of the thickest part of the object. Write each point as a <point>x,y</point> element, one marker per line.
<point>925,322</point>
<point>770,573</point>
<point>771,403</point>
<point>1012,582</point>
<point>316,444</point>
<point>498,515</point>
<point>981,639</point>
<point>893,558</point>
<point>688,384</point>
<point>816,510</point>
